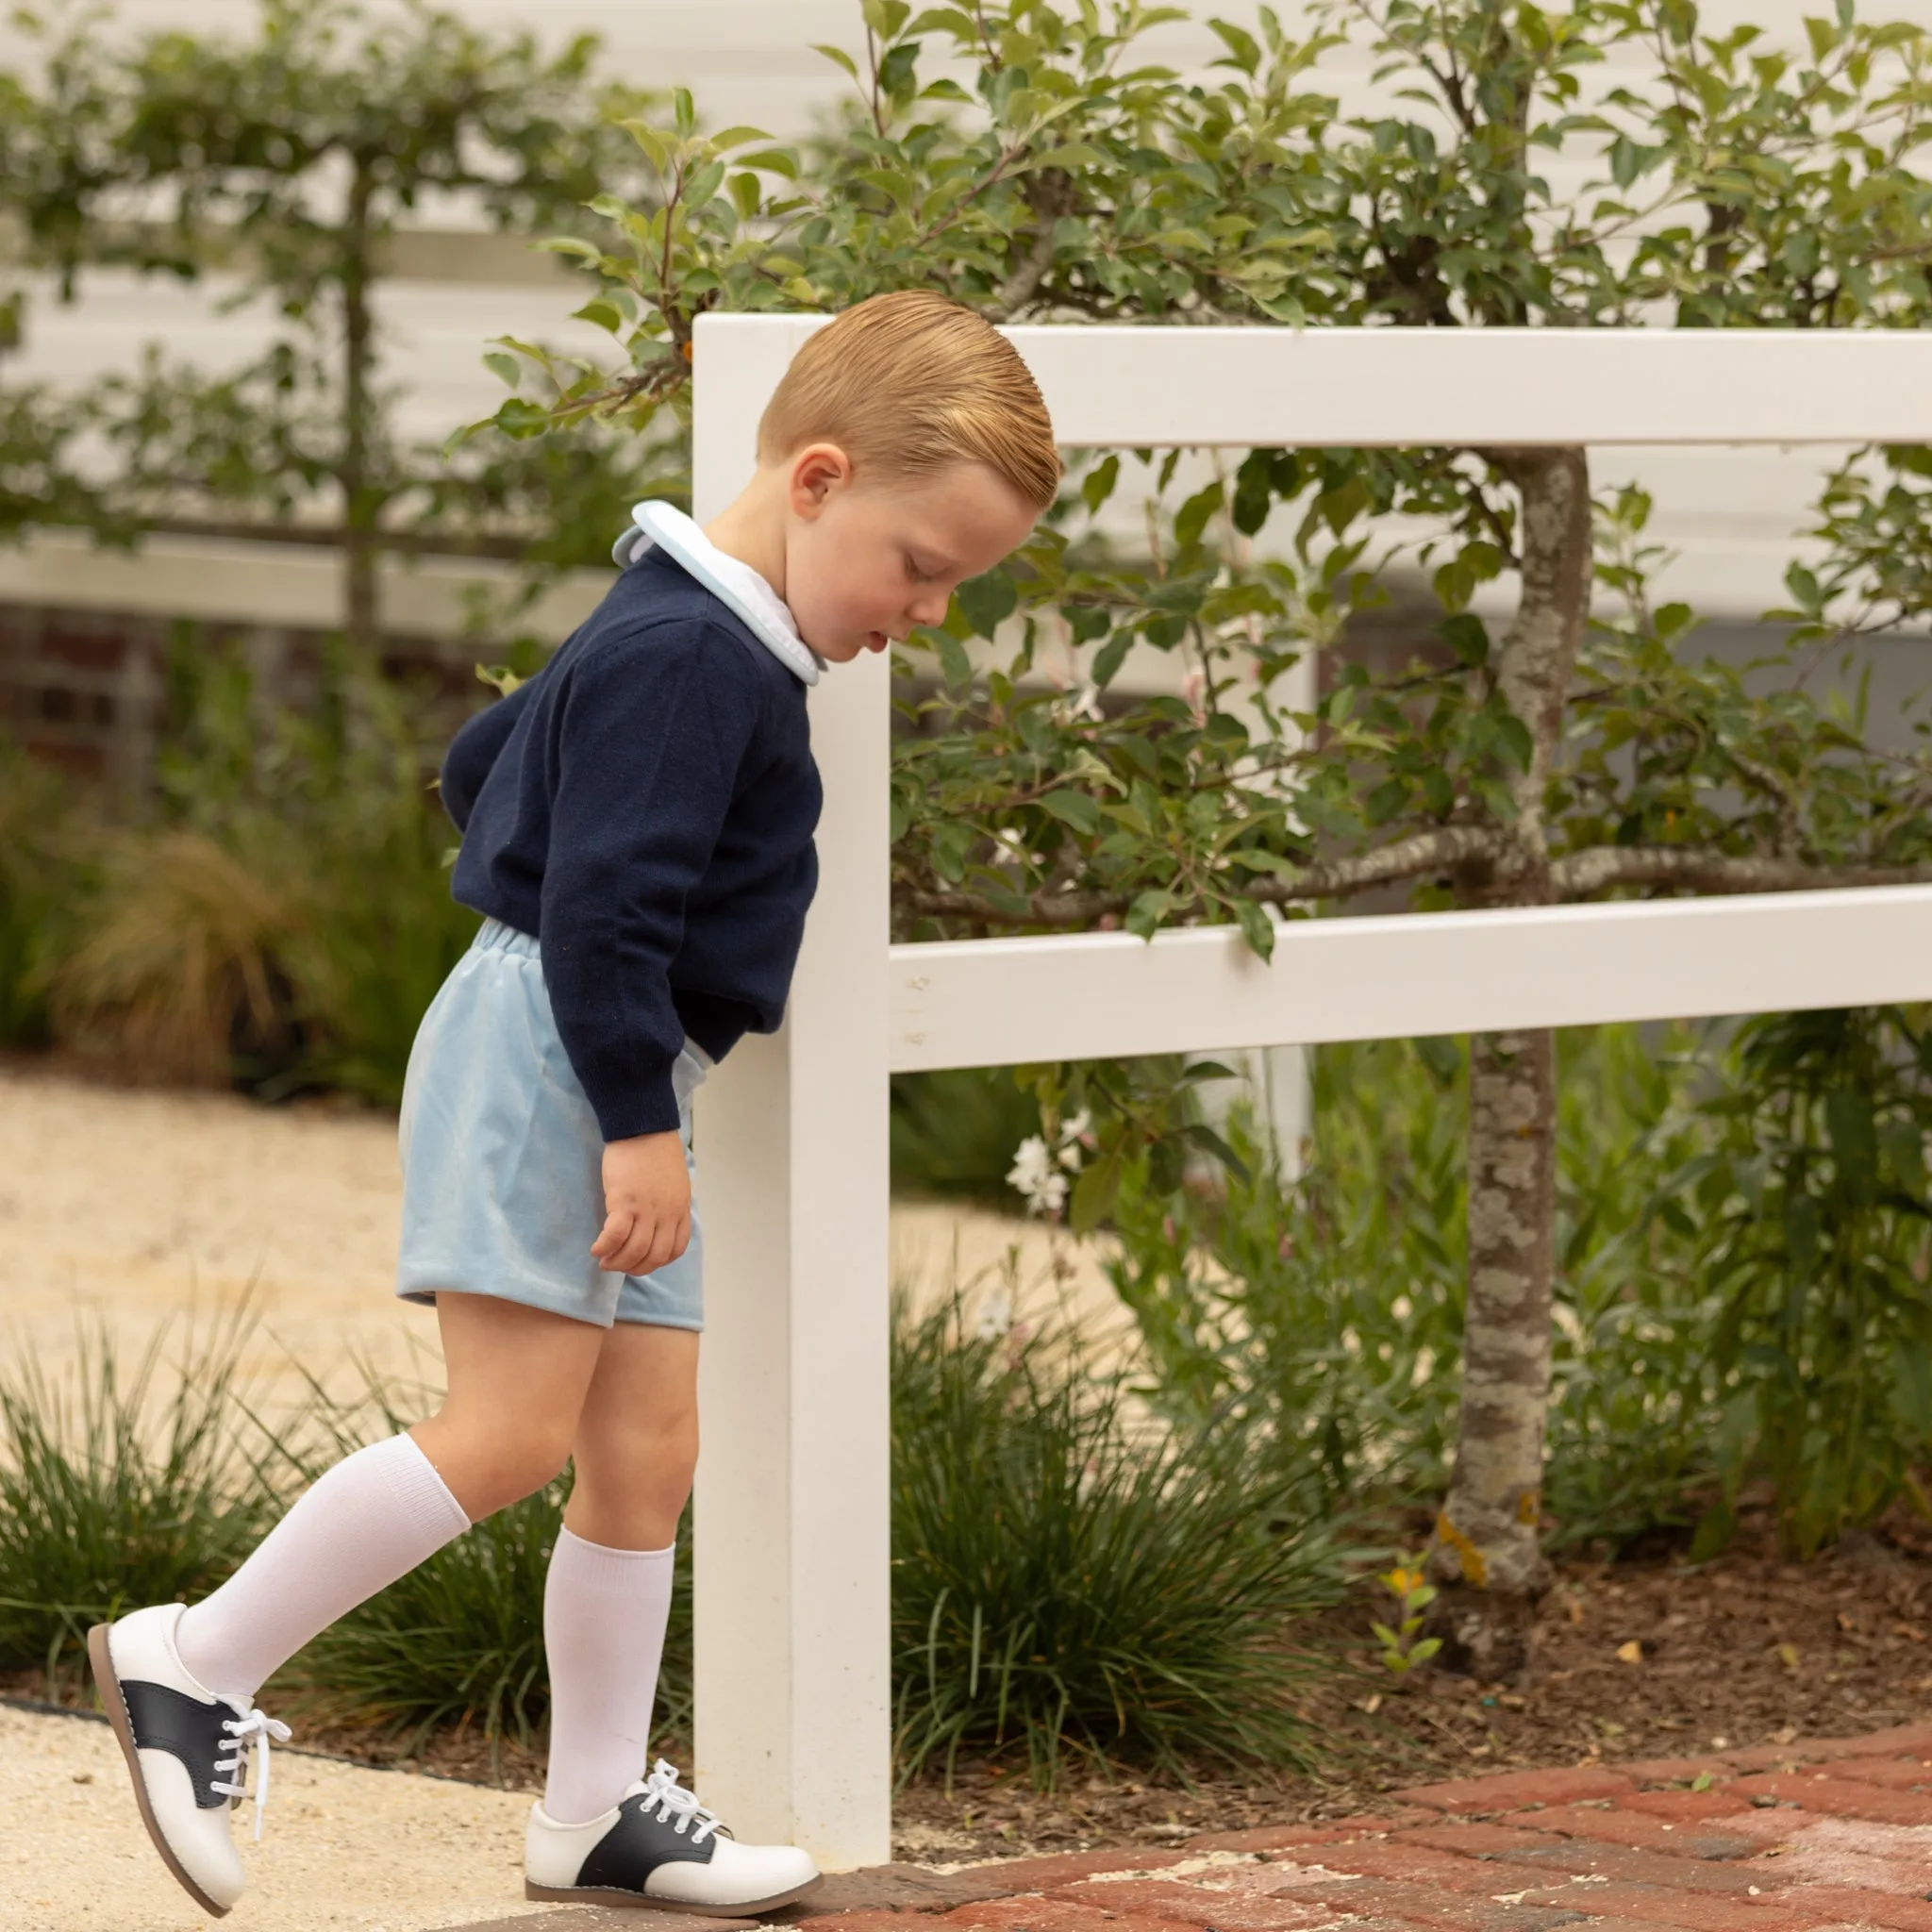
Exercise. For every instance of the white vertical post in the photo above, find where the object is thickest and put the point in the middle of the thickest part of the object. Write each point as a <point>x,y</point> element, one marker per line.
<point>792,1557</point>
<point>1286,1085</point>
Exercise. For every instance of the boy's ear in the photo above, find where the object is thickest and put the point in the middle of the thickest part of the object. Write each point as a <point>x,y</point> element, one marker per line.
<point>816,471</point>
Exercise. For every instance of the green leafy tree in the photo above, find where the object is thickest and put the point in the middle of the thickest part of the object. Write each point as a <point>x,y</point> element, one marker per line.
<point>293,160</point>
<point>1582,751</point>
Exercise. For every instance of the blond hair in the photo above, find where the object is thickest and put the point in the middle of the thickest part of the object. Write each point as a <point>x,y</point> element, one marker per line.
<point>911,382</point>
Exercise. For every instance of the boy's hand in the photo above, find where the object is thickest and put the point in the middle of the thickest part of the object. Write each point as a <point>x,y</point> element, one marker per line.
<point>646,1204</point>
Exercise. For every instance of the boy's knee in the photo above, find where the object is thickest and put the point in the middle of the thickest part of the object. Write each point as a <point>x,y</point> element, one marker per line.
<point>658,1454</point>
<point>502,1465</point>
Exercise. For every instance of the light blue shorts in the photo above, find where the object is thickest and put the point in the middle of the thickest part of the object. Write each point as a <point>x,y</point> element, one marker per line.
<point>503,1183</point>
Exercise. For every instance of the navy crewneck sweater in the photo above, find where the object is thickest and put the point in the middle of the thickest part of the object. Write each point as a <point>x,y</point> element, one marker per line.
<point>644,806</point>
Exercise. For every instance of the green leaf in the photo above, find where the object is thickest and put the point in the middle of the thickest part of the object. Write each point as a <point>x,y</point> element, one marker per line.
<point>1111,656</point>
<point>987,601</point>
<point>602,314</point>
<point>522,420</point>
<point>1097,484</point>
<point>1192,518</point>
<point>1514,736</point>
<point>1094,1195</point>
<point>737,137</point>
<point>1386,801</point>
<point>1243,50</point>
<point>1849,1120</point>
<point>1074,809</point>
<point>1145,914</point>
<point>1468,637</point>
<point>954,666</point>
<point>839,56</point>
<point>1257,927</point>
<point>505,368</point>
<point>1073,154</point>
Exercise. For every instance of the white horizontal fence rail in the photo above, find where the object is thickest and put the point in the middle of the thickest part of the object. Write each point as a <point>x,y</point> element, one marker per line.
<point>996,1003</point>
<point>793,1611</point>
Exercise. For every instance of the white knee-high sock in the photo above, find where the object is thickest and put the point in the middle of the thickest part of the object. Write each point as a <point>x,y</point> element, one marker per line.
<point>604,1617</point>
<point>371,1519</point>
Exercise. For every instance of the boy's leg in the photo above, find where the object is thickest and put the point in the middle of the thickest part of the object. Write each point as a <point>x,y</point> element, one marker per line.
<point>605,1832</point>
<point>178,1685</point>
<point>608,1596</point>
<point>516,1381</point>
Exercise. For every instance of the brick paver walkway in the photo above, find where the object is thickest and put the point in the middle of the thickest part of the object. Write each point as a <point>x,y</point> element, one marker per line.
<point>1823,1836</point>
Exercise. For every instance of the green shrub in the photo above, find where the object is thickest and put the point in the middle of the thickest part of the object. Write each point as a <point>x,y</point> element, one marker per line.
<point>45,853</point>
<point>178,960</point>
<point>1815,1236</point>
<point>387,931</point>
<point>112,1494</point>
<point>955,1133</point>
<point>285,918</point>
<point>1326,1314</point>
<point>1069,1586</point>
<point>1637,1377</point>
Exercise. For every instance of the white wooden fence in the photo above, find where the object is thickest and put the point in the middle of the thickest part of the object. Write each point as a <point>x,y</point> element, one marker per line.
<point>792,1610</point>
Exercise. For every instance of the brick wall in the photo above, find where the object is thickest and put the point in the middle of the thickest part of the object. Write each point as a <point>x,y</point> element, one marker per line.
<point>84,689</point>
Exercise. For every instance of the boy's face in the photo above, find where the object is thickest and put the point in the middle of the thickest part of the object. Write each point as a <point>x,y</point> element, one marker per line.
<point>868,559</point>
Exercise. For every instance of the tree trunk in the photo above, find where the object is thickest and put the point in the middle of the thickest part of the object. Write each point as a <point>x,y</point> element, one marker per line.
<point>361,617</point>
<point>1487,1556</point>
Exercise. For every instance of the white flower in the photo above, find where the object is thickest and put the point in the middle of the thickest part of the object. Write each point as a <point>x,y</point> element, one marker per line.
<point>995,1316</point>
<point>1084,703</point>
<point>1034,1176</point>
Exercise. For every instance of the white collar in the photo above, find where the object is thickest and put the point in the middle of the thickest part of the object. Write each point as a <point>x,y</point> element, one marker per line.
<point>734,584</point>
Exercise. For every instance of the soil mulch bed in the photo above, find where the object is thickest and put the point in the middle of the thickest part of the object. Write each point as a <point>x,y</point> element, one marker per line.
<point>1637,1659</point>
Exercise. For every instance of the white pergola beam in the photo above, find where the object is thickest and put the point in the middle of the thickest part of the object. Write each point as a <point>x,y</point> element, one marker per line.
<point>991,1003</point>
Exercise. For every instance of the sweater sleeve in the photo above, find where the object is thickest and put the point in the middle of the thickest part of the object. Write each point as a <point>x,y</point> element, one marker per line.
<point>647,745</point>
<point>472,751</point>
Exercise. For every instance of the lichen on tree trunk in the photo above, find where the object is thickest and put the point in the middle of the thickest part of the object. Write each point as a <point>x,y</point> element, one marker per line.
<point>1488,1548</point>
<point>1487,1556</point>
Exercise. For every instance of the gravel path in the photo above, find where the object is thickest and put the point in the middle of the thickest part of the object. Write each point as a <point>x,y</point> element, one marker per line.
<point>380,1851</point>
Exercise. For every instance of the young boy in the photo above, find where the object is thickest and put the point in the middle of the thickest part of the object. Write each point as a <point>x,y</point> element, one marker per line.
<point>636,826</point>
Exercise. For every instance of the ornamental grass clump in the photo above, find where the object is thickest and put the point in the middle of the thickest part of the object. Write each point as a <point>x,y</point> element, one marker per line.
<point>121,1487</point>
<point>1070,1584</point>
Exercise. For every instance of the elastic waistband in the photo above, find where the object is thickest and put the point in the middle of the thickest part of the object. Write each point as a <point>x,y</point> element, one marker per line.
<point>495,936</point>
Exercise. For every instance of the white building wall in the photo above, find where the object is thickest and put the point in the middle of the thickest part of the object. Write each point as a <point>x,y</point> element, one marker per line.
<point>1731,515</point>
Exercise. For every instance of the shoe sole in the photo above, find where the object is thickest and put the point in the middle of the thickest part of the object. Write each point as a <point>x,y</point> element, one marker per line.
<point>605,1896</point>
<point>115,1703</point>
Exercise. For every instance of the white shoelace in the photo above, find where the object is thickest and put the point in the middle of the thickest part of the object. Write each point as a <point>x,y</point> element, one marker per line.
<point>256,1727</point>
<point>663,1790</point>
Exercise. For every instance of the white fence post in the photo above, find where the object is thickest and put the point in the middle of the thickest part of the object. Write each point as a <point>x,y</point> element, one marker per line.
<point>791,1562</point>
